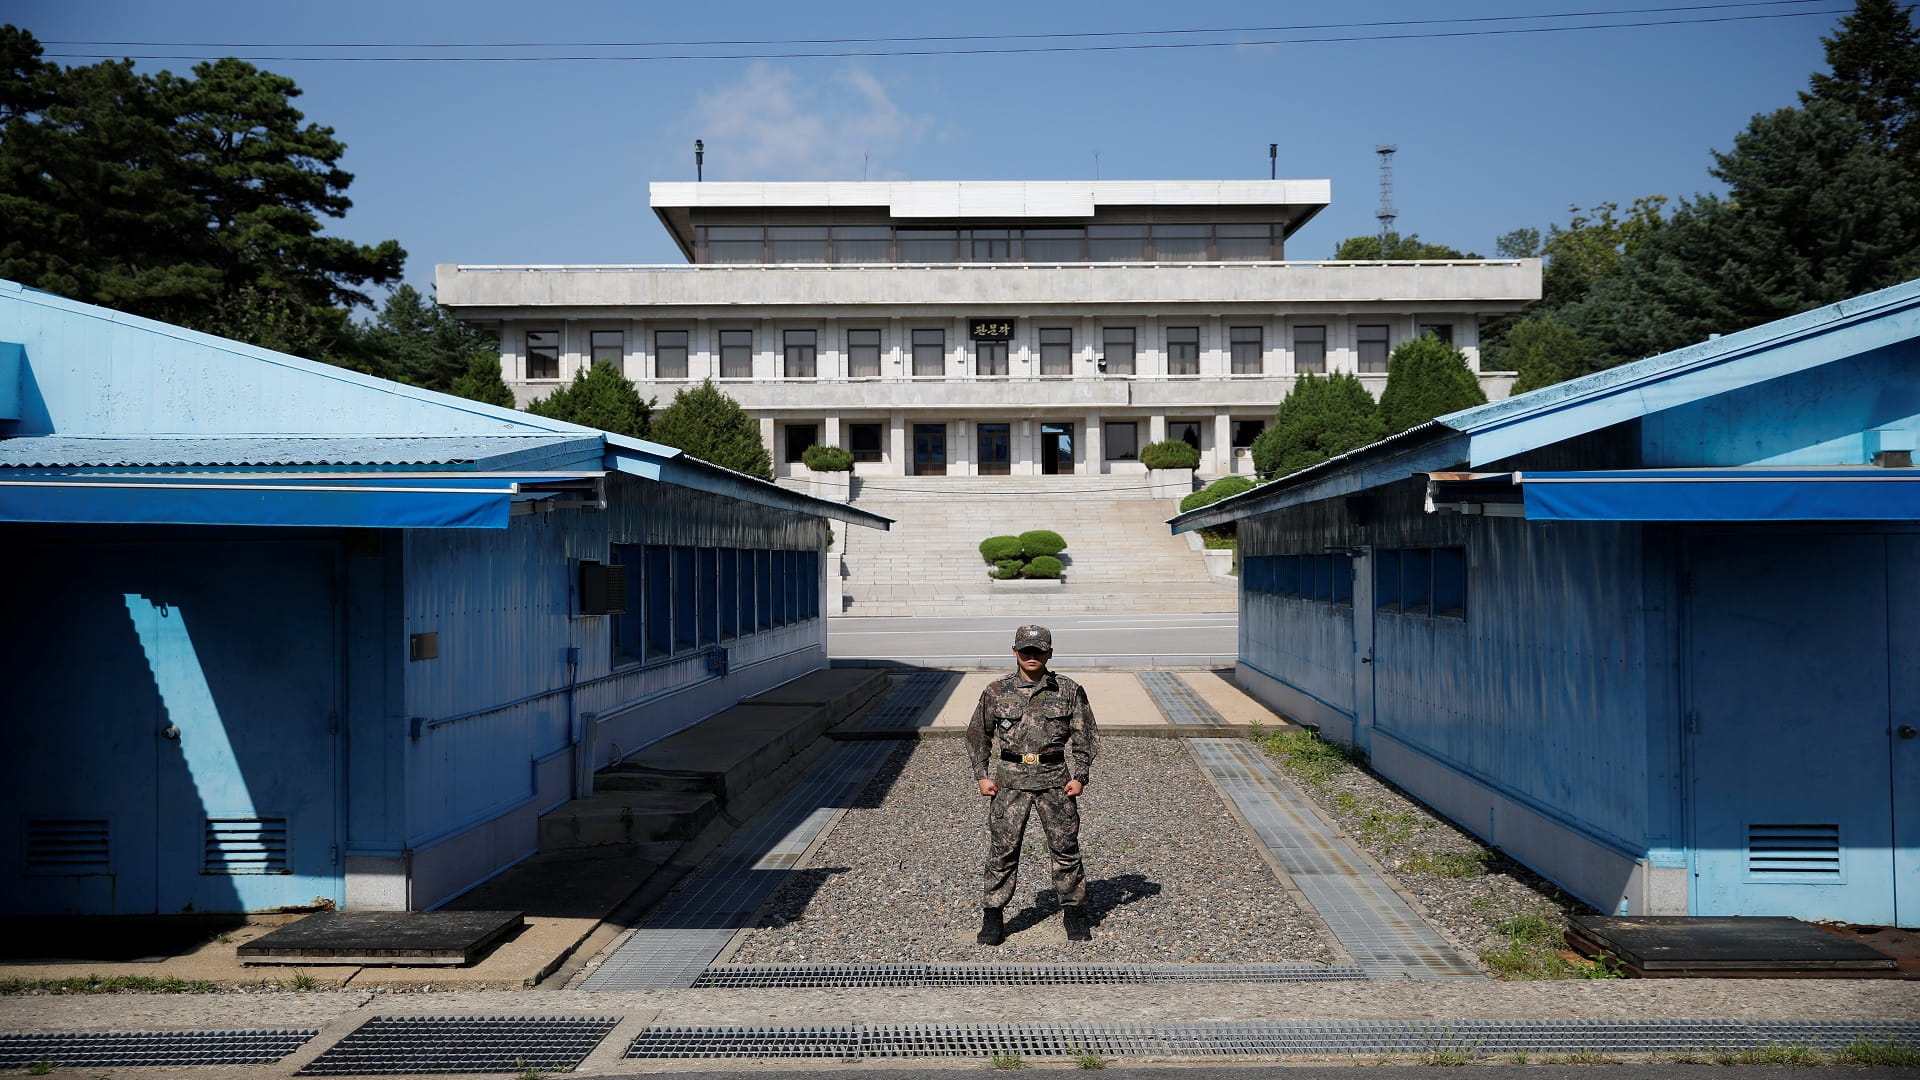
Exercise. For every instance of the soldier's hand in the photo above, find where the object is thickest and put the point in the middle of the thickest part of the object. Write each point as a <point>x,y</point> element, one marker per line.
<point>989,788</point>
<point>1073,788</point>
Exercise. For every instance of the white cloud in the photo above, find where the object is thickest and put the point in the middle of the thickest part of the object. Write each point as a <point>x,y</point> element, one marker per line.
<point>775,125</point>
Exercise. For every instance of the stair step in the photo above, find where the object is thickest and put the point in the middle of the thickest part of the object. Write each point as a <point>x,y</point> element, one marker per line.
<point>627,817</point>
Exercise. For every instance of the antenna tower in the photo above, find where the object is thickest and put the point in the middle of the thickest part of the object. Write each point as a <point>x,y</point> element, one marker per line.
<point>1386,213</point>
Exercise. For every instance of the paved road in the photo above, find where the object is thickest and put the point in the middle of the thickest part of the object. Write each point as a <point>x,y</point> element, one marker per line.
<point>1172,640</point>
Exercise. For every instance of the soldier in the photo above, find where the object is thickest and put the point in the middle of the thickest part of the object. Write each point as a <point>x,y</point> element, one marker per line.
<point>1041,720</point>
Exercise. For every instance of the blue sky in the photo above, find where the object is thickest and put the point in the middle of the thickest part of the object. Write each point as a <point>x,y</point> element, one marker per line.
<point>548,162</point>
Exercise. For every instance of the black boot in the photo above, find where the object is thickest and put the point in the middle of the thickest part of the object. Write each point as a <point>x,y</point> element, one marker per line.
<point>992,930</point>
<point>1075,918</point>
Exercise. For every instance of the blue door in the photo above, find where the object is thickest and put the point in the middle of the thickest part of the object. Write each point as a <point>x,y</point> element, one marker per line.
<point>176,714</point>
<point>1790,665</point>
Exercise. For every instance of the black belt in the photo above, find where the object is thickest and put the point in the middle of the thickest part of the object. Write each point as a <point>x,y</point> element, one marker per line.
<point>1044,757</point>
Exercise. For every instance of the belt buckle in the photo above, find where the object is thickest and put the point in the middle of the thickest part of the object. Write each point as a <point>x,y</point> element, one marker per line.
<point>1029,759</point>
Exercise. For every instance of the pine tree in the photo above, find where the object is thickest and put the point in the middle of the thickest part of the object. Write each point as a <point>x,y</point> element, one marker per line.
<point>482,382</point>
<point>1426,377</point>
<point>417,341</point>
<point>1321,418</point>
<point>713,427</point>
<point>1875,58</point>
<point>598,397</point>
<point>1544,352</point>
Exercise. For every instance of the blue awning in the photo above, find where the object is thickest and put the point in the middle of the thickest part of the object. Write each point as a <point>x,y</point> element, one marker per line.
<point>337,500</point>
<point>1859,493</point>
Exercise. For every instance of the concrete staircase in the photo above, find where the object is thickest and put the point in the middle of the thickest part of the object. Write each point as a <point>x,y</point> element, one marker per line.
<point>1119,558</point>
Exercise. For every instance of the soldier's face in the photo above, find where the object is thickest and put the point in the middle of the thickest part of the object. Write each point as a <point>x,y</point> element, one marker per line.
<point>1032,661</point>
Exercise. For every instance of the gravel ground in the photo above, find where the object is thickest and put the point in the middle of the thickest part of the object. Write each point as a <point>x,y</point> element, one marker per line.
<point>1172,877</point>
<point>1467,890</point>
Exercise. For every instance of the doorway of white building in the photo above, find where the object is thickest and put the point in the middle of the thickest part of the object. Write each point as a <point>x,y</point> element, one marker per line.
<point>995,450</point>
<point>929,449</point>
<point>1056,448</point>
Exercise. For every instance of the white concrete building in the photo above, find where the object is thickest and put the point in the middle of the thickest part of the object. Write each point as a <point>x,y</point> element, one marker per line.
<point>987,328</point>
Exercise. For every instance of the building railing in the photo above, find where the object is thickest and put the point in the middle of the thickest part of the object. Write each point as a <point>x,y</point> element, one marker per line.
<point>987,267</point>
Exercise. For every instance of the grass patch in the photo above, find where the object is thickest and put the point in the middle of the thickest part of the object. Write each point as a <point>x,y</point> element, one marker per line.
<point>1584,1056</point>
<point>1009,1060</point>
<point>1456,864</point>
<point>108,984</point>
<point>1890,1053</point>
<point>1770,1054</point>
<point>1304,753</point>
<point>1451,1055</point>
<point>1532,950</point>
<point>1087,1059</point>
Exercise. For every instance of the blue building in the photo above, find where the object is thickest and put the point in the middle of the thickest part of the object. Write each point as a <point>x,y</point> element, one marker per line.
<point>1655,632</point>
<point>279,632</point>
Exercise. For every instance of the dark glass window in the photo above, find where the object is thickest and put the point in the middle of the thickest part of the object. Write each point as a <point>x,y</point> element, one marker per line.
<point>1438,331</point>
<point>862,243</point>
<point>1386,580</point>
<point>543,354</point>
<point>798,361</point>
<point>797,244</point>
<point>609,347</point>
<point>686,602</point>
<point>659,601</point>
<point>1246,349</point>
<point>799,437</point>
<point>929,352</point>
<point>1118,343</point>
<point>1123,441</point>
<point>929,245</point>
<point>1450,582</point>
<point>1245,431</point>
<point>1415,567</point>
<point>735,243</point>
<point>1310,350</point>
<point>989,358</point>
<point>1181,243</point>
<point>1054,245</point>
<point>729,593</point>
<point>1056,350</point>
<point>670,354</point>
<point>864,441</point>
<point>736,354</point>
<point>990,245</point>
<point>1243,243</point>
<point>1117,243</point>
<point>863,354</point>
<point>630,626</point>
<point>709,595</point>
<point>1183,350</point>
<point>1187,431</point>
<point>1371,342</point>
<point>763,616</point>
<point>782,613</point>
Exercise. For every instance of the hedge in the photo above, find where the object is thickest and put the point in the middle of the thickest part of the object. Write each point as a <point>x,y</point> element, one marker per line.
<point>1044,566</point>
<point>1170,454</point>
<point>827,458</point>
<point>996,548</point>
<point>1042,542</point>
<point>1009,568</point>
<point>1214,492</point>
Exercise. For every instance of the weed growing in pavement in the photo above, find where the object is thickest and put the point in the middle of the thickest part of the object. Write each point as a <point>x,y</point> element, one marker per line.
<point>1584,1056</point>
<point>1599,967</point>
<point>1892,1053</point>
<point>1087,1059</point>
<point>1008,1060</point>
<point>1304,753</point>
<point>108,984</point>
<point>1518,1057</point>
<point>302,981</point>
<point>1532,950</point>
<point>527,1072</point>
<point>1451,1055</point>
<point>41,1067</point>
<point>1769,1054</point>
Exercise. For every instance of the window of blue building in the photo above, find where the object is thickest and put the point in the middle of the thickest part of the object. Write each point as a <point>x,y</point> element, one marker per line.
<point>709,596</point>
<point>686,620</point>
<point>763,589</point>
<point>729,593</point>
<point>659,609</point>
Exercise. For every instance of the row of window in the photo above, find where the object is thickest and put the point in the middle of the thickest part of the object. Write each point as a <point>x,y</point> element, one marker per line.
<point>680,599</point>
<point>1406,581</point>
<point>1139,242</point>
<point>1120,439</point>
<point>1246,346</point>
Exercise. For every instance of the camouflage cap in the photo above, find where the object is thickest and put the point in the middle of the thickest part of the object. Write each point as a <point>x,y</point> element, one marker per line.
<point>1033,637</point>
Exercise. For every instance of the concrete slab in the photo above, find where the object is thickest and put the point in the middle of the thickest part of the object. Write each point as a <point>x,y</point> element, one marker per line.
<point>430,938</point>
<point>1119,701</point>
<point>1237,707</point>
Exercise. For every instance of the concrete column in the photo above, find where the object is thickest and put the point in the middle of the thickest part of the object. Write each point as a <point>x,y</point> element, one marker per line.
<point>830,430</point>
<point>1024,449</point>
<point>1096,459</point>
<point>773,448</point>
<point>898,436</point>
<point>1157,427</point>
<point>768,349</point>
<point>1222,443</point>
<point>894,350</point>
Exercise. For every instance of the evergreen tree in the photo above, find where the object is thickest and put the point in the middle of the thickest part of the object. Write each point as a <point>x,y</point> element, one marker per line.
<point>1544,352</point>
<point>193,200</point>
<point>417,341</point>
<point>1369,248</point>
<point>1323,416</point>
<point>713,427</point>
<point>482,382</point>
<point>598,397</point>
<point>1875,58</point>
<point>1426,377</point>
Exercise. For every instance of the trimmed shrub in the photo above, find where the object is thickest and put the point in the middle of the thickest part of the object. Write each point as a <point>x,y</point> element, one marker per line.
<point>1010,568</point>
<point>1042,542</point>
<point>996,549</point>
<point>827,458</point>
<point>1214,492</point>
<point>1044,566</point>
<point>1170,454</point>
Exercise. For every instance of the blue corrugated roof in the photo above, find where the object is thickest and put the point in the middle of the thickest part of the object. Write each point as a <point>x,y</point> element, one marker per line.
<point>105,451</point>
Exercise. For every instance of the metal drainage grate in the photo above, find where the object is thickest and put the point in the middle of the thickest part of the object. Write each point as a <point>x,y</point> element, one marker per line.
<point>690,927</point>
<point>773,976</point>
<point>144,1049</point>
<point>1278,1037</point>
<point>1177,700</point>
<point>904,703</point>
<point>458,1044</point>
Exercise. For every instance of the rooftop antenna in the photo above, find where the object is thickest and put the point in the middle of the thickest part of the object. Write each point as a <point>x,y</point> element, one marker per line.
<point>1096,164</point>
<point>699,160</point>
<point>1273,161</point>
<point>866,159</point>
<point>1386,213</point>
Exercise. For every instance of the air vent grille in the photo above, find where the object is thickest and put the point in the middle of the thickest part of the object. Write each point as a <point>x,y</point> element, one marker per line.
<point>247,845</point>
<point>1804,852</point>
<point>67,846</point>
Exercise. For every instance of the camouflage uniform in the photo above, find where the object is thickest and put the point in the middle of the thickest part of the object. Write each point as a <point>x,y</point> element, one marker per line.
<point>1030,718</point>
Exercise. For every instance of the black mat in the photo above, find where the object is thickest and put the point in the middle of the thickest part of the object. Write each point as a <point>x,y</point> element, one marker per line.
<point>1664,944</point>
<point>403,938</point>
